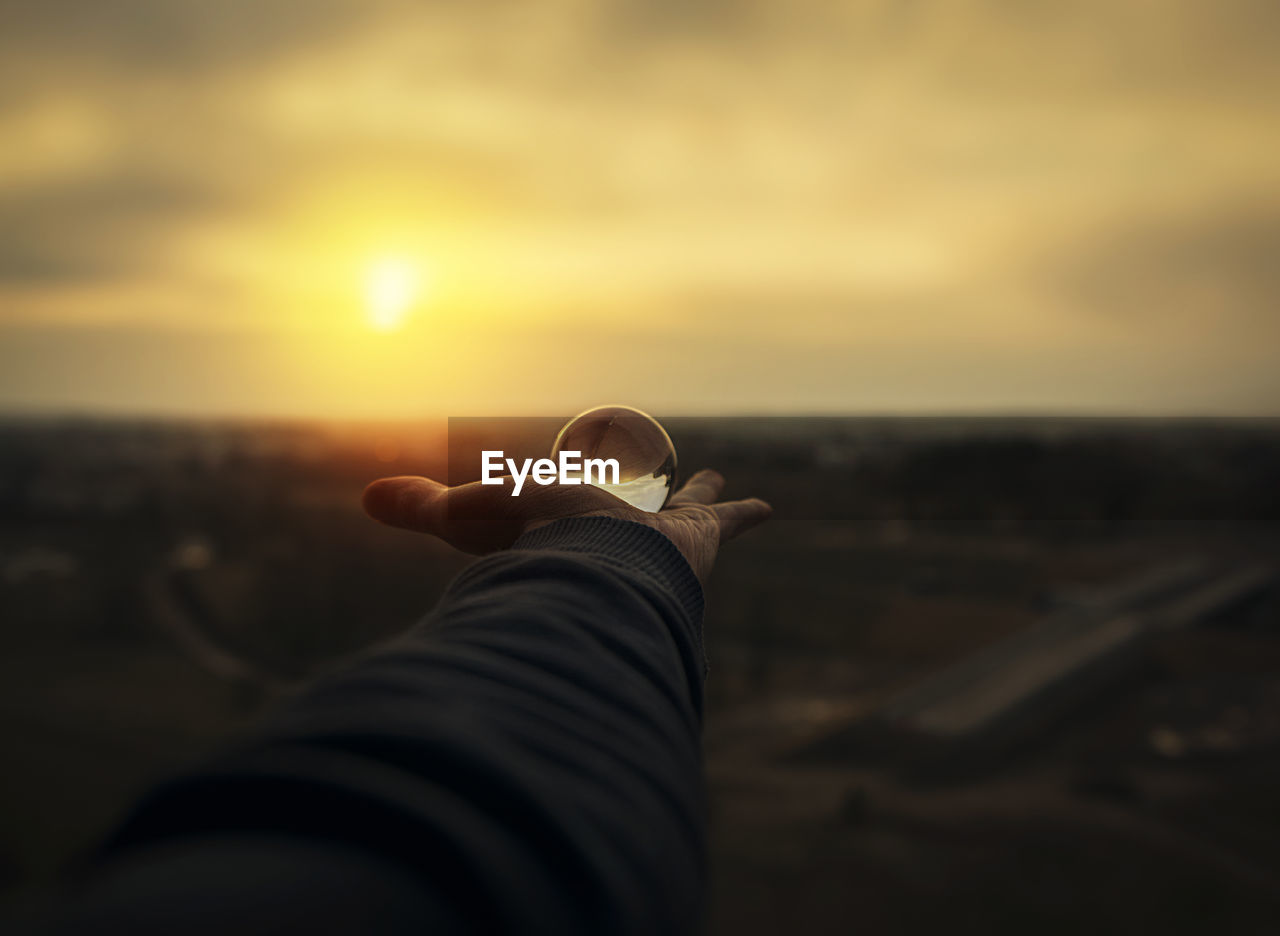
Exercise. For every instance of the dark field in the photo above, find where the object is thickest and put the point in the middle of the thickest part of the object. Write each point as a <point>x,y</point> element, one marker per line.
<point>161,583</point>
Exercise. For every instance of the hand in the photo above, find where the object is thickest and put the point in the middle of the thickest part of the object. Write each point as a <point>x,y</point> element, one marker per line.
<point>482,518</point>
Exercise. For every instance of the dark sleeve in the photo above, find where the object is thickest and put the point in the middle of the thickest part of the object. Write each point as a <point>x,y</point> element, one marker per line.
<point>526,760</point>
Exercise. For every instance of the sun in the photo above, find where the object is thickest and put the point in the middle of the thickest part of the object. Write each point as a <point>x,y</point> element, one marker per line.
<point>392,286</point>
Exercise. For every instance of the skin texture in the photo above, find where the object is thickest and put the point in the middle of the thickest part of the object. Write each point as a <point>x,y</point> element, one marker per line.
<point>481,519</point>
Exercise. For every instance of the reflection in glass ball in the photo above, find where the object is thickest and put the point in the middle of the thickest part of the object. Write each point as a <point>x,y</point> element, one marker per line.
<point>646,457</point>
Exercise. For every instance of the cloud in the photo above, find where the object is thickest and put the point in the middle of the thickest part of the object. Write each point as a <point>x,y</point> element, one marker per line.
<point>96,228</point>
<point>956,186</point>
<point>1212,275</point>
<point>180,35</point>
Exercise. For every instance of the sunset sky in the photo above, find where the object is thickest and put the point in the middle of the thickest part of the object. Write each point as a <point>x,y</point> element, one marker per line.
<point>393,208</point>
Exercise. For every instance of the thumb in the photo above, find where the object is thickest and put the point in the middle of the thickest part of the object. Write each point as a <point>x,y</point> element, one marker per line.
<point>411,503</point>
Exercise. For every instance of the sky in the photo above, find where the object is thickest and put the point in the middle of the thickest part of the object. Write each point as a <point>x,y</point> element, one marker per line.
<point>389,209</point>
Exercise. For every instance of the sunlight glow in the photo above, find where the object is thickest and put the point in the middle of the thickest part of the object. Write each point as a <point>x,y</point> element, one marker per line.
<point>392,286</point>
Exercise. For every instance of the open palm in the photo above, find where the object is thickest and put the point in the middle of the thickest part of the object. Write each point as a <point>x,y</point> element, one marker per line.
<point>483,518</point>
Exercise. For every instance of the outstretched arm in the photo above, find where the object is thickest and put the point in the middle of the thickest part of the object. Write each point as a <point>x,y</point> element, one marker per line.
<point>526,760</point>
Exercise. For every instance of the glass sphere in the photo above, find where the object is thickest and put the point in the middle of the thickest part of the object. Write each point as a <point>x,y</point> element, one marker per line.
<point>646,458</point>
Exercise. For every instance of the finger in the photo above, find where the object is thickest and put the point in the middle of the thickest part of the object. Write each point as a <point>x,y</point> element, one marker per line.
<point>703,488</point>
<point>408,502</point>
<point>738,516</point>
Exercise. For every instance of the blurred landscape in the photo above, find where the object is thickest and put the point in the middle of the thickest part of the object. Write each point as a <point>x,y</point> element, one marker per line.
<point>161,583</point>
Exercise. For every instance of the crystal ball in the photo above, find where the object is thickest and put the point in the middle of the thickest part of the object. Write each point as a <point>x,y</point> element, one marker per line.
<point>646,458</point>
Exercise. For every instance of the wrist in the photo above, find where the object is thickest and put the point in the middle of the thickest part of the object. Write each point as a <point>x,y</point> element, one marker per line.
<point>633,545</point>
